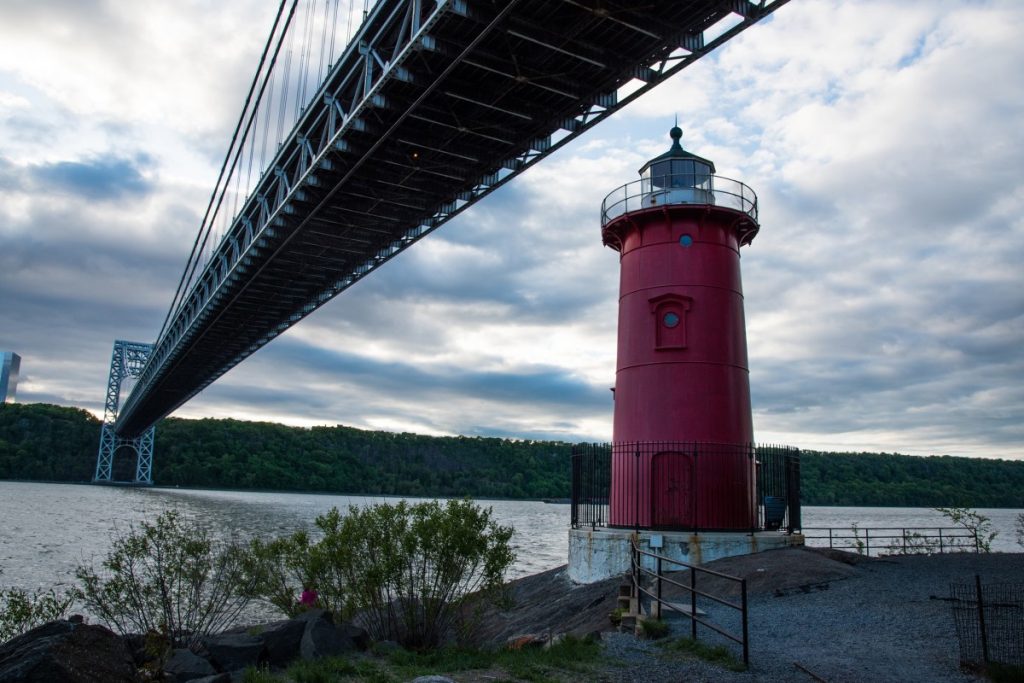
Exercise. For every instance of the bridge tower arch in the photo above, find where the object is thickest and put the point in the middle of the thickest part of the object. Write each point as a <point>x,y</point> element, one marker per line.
<point>126,362</point>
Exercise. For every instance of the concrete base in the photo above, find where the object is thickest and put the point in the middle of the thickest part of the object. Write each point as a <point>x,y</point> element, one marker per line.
<point>598,554</point>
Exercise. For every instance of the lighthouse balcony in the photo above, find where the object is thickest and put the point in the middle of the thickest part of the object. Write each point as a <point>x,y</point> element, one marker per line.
<point>659,190</point>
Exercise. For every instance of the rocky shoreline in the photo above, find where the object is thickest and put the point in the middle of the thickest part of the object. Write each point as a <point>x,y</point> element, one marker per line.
<point>72,650</point>
<point>814,615</point>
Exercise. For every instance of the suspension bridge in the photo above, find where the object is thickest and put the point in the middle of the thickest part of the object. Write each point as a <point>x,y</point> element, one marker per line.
<point>364,130</point>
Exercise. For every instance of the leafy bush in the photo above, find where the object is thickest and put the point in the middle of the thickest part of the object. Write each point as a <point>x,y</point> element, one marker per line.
<point>407,567</point>
<point>168,578</point>
<point>283,566</point>
<point>21,611</point>
<point>404,570</point>
<point>977,525</point>
<point>1018,529</point>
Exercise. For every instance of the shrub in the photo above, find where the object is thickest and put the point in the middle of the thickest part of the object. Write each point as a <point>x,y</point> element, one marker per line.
<point>1018,529</point>
<point>21,611</point>
<point>168,578</point>
<point>404,570</point>
<point>977,525</point>
<point>281,568</point>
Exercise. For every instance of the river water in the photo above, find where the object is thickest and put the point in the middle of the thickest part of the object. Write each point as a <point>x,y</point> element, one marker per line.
<point>46,530</point>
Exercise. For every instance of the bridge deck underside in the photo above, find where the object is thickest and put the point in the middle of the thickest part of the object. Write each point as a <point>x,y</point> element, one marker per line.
<point>466,109</point>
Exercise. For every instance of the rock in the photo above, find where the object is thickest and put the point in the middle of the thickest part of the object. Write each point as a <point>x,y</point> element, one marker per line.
<point>216,678</point>
<point>311,615</point>
<point>360,638</point>
<point>432,679</point>
<point>69,652</point>
<point>525,641</point>
<point>234,650</point>
<point>322,638</point>
<point>185,665</point>
<point>281,640</point>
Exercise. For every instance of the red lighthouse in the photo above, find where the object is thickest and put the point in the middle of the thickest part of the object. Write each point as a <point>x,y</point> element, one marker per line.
<point>682,453</point>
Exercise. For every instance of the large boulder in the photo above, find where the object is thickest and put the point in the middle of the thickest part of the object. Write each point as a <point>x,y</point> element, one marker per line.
<point>184,665</point>
<point>234,650</point>
<point>321,637</point>
<point>71,652</point>
<point>281,640</point>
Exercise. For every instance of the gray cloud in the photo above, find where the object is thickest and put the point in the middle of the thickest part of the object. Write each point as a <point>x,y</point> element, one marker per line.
<point>104,178</point>
<point>884,294</point>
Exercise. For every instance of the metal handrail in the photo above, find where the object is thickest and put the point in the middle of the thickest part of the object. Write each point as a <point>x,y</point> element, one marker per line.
<point>908,539</point>
<point>676,189</point>
<point>637,569</point>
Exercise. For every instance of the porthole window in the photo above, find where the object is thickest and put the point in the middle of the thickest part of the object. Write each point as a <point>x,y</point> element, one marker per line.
<point>686,240</point>
<point>670,320</point>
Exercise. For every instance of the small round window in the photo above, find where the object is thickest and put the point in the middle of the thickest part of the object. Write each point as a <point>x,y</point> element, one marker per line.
<point>686,240</point>
<point>670,319</point>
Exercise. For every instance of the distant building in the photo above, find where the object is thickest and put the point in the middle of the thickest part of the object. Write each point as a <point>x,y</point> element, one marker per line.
<point>9,376</point>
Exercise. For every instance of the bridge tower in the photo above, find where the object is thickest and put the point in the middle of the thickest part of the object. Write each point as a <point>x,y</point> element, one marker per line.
<point>126,362</point>
<point>683,471</point>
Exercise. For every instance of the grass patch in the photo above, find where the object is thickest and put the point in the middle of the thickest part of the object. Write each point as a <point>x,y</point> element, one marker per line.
<point>715,654</point>
<point>654,628</point>
<point>565,661</point>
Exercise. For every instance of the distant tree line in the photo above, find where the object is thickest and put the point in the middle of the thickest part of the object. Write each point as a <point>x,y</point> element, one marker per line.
<point>52,443</point>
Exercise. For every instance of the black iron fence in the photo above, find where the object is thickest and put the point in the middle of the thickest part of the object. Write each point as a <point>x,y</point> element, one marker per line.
<point>649,582</point>
<point>990,625</point>
<point>695,486</point>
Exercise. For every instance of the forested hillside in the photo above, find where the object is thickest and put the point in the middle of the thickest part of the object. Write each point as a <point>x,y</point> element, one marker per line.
<point>44,442</point>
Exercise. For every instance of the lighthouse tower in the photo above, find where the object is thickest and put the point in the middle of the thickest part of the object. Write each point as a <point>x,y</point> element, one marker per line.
<point>682,428</point>
<point>683,472</point>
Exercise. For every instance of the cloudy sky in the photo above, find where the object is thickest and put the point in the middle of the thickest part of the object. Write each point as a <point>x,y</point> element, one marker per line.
<point>884,294</point>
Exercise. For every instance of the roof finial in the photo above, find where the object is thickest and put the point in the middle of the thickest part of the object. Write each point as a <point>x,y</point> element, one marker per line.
<point>676,133</point>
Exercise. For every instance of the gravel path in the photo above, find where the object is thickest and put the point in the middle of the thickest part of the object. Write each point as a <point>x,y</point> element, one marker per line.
<point>878,624</point>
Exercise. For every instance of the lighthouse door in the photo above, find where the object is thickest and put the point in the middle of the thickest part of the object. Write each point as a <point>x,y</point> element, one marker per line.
<point>673,501</point>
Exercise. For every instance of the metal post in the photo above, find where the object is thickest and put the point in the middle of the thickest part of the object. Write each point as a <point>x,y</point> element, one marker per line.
<point>636,573</point>
<point>693,603</point>
<point>746,634</point>
<point>941,550</point>
<point>981,619</point>
<point>904,541</point>
<point>657,609</point>
<point>636,491</point>
<point>830,538</point>
<point>694,473</point>
<point>867,541</point>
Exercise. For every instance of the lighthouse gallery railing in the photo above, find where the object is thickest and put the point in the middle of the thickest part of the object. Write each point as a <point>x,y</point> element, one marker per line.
<point>674,189</point>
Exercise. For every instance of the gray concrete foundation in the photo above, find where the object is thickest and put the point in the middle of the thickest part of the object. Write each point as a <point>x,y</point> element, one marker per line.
<point>598,554</point>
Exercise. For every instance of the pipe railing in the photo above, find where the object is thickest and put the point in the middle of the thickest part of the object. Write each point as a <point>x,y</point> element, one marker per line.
<point>894,540</point>
<point>686,188</point>
<point>658,602</point>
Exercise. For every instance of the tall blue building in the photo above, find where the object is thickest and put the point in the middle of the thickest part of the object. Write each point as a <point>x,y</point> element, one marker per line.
<point>9,376</point>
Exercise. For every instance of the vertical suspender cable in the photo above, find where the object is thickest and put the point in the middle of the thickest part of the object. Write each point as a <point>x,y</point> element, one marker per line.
<point>234,137</point>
